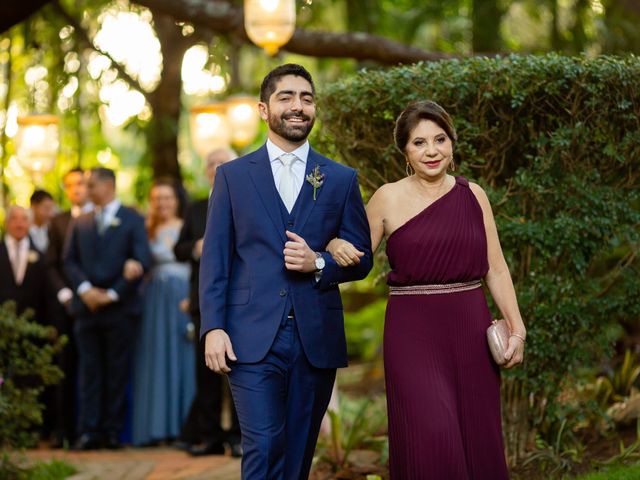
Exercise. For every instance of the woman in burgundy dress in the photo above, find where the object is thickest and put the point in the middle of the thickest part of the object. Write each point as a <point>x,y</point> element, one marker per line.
<point>443,388</point>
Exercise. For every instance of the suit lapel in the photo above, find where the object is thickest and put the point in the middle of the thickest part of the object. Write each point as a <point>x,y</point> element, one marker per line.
<point>30,262</point>
<point>112,227</point>
<point>305,202</point>
<point>262,178</point>
<point>4,260</point>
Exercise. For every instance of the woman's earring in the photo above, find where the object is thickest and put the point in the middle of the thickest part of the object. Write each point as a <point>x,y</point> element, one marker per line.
<point>452,164</point>
<point>409,170</point>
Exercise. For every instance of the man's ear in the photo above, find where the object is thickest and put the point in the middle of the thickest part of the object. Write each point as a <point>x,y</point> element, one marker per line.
<point>263,109</point>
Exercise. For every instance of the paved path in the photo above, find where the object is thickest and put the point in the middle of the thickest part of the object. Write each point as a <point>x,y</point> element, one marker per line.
<point>142,464</point>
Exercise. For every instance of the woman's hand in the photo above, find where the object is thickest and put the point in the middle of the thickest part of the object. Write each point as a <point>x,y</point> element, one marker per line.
<point>132,270</point>
<point>515,351</point>
<point>344,253</point>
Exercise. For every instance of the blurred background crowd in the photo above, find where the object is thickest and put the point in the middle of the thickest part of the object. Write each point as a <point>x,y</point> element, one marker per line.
<point>124,289</point>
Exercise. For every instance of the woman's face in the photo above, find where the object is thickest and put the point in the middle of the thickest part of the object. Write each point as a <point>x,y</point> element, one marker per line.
<point>429,150</point>
<point>163,203</point>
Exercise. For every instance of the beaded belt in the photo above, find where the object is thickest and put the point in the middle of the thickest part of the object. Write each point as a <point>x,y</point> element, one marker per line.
<point>435,289</point>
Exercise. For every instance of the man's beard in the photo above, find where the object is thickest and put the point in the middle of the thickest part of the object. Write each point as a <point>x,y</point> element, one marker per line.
<point>292,133</point>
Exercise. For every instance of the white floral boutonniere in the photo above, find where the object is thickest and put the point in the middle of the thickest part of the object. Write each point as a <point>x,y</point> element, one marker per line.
<point>316,179</point>
<point>115,222</point>
<point>33,256</point>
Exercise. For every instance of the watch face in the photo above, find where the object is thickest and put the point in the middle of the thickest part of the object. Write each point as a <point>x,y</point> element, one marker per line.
<point>319,263</point>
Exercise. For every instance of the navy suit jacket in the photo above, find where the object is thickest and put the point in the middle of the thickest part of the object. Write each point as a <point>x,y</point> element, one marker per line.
<point>245,288</point>
<point>100,259</point>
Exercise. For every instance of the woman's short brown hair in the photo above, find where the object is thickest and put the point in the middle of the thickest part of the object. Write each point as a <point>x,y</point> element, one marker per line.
<point>414,114</point>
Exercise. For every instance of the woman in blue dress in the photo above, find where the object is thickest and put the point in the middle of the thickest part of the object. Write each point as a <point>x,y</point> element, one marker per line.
<point>164,380</point>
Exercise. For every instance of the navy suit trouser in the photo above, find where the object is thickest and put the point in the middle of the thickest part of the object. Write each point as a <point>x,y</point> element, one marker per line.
<point>280,403</point>
<point>104,342</point>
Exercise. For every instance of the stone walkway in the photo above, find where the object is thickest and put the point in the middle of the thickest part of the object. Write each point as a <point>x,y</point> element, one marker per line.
<point>142,464</point>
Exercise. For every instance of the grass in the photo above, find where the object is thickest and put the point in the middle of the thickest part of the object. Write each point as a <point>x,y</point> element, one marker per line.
<point>618,472</point>
<point>53,470</point>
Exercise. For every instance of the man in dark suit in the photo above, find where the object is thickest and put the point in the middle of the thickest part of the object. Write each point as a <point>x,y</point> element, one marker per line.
<point>105,307</point>
<point>23,268</point>
<point>271,310</point>
<point>75,188</point>
<point>202,429</point>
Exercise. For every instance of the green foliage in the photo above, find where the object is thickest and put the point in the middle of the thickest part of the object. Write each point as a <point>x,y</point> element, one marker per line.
<point>26,366</point>
<point>554,141</point>
<point>354,426</point>
<point>364,330</point>
<point>53,470</point>
<point>619,472</point>
<point>621,381</point>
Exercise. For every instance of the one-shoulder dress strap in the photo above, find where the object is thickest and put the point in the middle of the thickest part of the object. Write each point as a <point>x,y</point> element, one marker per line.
<point>460,180</point>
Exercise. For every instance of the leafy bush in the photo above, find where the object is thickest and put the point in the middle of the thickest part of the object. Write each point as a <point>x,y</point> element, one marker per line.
<point>26,367</point>
<point>555,142</point>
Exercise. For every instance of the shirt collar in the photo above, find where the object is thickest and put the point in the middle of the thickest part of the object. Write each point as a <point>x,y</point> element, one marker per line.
<point>274,152</point>
<point>111,208</point>
<point>10,241</point>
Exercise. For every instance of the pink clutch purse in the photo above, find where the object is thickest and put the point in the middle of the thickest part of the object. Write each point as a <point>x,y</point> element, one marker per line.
<point>498,339</point>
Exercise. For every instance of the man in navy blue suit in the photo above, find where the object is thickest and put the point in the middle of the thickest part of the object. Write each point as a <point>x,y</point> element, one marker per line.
<point>271,311</point>
<point>105,307</point>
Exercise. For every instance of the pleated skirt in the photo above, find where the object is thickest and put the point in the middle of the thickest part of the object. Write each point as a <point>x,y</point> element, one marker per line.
<point>443,389</point>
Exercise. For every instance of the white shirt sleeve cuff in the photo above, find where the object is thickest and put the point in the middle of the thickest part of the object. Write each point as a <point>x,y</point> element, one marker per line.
<point>84,286</point>
<point>113,295</point>
<point>64,295</point>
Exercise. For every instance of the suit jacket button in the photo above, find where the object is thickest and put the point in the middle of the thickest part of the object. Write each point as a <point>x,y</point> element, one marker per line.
<point>283,293</point>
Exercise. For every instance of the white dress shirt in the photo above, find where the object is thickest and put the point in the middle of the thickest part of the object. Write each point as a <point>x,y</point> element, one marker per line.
<point>40,237</point>
<point>23,246</point>
<point>77,210</point>
<point>298,168</point>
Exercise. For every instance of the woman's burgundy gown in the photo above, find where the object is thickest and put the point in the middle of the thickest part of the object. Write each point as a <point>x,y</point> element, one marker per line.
<point>443,387</point>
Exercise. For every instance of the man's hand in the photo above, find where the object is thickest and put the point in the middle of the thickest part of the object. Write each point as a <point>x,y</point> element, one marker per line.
<point>132,270</point>
<point>217,346</point>
<point>297,254</point>
<point>185,304</point>
<point>92,298</point>
<point>344,253</point>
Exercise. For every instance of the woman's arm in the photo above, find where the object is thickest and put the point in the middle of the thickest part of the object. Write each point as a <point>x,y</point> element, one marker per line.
<point>343,252</point>
<point>499,282</point>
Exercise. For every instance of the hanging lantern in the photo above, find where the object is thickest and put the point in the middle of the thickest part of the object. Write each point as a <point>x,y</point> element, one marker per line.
<point>243,118</point>
<point>209,128</point>
<point>37,142</point>
<point>270,23</point>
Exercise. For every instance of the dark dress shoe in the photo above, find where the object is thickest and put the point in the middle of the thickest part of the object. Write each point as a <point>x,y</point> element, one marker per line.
<point>112,442</point>
<point>87,441</point>
<point>236,449</point>
<point>212,448</point>
<point>182,445</point>
<point>233,442</point>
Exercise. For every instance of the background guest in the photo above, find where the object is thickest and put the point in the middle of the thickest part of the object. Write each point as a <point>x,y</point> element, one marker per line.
<point>22,266</point>
<point>43,208</point>
<point>75,188</point>
<point>105,307</point>
<point>202,430</point>
<point>164,383</point>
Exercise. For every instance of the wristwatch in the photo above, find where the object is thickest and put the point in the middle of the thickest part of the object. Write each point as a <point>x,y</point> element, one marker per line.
<point>319,262</point>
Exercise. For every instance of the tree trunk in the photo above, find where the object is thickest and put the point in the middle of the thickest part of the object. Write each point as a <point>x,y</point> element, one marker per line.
<point>486,17</point>
<point>162,132</point>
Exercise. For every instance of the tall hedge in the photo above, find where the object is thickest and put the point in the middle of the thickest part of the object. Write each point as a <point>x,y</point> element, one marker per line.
<point>555,141</point>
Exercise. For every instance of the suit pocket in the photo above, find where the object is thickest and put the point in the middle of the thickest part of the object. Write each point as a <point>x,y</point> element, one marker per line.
<point>333,208</point>
<point>238,296</point>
